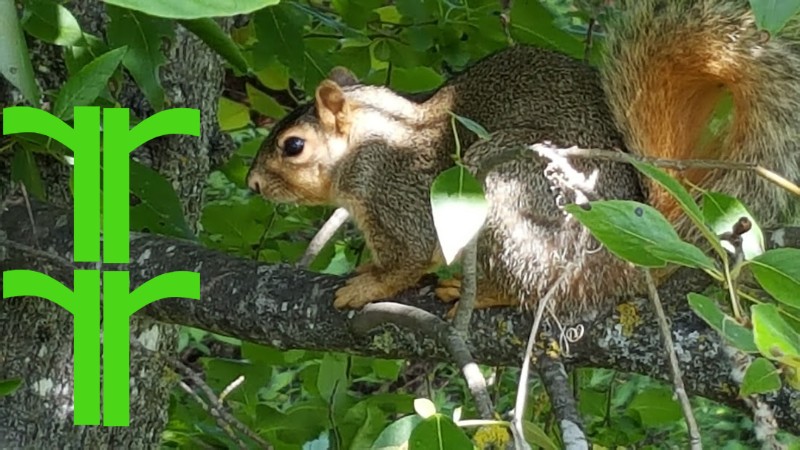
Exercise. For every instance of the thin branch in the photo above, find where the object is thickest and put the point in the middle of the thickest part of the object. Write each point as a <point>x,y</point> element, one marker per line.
<point>677,379</point>
<point>410,317</point>
<point>469,288</point>
<point>214,404</point>
<point>325,233</point>
<point>214,412</point>
<point>565,408</point>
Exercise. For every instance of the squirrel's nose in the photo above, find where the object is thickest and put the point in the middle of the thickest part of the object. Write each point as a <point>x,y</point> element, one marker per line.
<point>255,181</point>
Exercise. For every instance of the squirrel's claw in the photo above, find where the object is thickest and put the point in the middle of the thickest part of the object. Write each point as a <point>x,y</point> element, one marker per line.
<point>361,290</point>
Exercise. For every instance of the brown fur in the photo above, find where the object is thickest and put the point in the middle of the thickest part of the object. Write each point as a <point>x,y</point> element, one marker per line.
<point>377,153</point>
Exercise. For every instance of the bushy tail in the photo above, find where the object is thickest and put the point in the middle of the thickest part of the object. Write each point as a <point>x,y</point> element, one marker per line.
<point>673,66</point>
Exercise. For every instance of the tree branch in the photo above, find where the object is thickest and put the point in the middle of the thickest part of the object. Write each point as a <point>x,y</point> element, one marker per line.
<point>286,307</point>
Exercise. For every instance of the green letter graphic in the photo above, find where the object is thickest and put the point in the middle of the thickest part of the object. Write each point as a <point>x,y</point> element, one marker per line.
<point>84,301</point>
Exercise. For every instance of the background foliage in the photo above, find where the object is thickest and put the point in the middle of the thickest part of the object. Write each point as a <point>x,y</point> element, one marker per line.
<point>276,55</point>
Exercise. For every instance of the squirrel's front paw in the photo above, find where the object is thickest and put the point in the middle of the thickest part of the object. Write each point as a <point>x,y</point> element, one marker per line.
<point>360,290</point>
<point>448,290</point>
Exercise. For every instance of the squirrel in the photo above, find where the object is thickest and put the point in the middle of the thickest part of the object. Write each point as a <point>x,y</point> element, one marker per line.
<point>376,152</point>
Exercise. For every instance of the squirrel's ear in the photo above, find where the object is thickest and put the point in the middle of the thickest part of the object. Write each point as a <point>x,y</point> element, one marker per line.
<point>342,76</point>
<point>332,108</point>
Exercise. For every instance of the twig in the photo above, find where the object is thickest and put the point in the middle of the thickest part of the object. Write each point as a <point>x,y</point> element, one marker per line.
<point>230,388</point>
<point>325,233</point>
<point>522,388</point>
<point>416,319</point>
<point>217,408</point>
<point>682,164</point>
<point>677,380</point>
<point>554,378</point>
<point>469,288</point>
<point>619,156</point>
<point>215,413</point>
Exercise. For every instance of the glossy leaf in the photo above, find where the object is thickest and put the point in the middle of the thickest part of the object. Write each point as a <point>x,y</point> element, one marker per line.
<point>773,15</point>
<point>210,32</point>
<point>672,185</point>
<point>637,233</point>
<point>459,209</point>
<point>232,115</point>
<point>775,338</point>
<point>157,208</point>
<point>536,436</point>
<point>193,9</point>
<point>438,432</point>
<point>82,88</point>
<point>263,103</point>
<point>143,35</point>
<point>778,272</point>
<point>51,22</point>
<point>397,434</point>
<point>15,61</point>
<point>424,407</point>
<point>761,377</point>
<point>736,334</point>
<point>472,126</point>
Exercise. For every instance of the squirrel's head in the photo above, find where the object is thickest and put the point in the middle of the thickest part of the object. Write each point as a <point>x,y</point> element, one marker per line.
<point>294,162</point>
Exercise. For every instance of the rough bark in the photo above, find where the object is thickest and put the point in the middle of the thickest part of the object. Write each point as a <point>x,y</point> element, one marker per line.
<point>287,308</point>
<point>37,335</point>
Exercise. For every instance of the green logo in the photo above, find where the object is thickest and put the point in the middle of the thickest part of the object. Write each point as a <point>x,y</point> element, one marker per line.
<point>84,301</point>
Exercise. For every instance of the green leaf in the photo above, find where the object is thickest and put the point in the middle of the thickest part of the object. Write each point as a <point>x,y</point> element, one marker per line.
<point>397,434</point>
<point>532,22</point>
<point>778,272</point>
<point>722,211</point>
<point>9,386</point>
<point>195,9</point>
<point>761,377</point>
<point>15,61</point>
<point>264,103</point>
<point>775,338</point>
<point>438,432</point>
<point>387,369</point>
<point>684,254</point>
<point>158,210</point>
<point>83,88</point>
<point>232,115</point>
<point>459,209</point>
<point>672,186</point>
<point>473,126</point>
<point>708,310</point>
<point>280,32</point>
<point>419,79</point>
<point>332,376</point>
<point>773,15</point>
<point>655,406</point>
<point>210,32</point>
<point>637,233</point>
<point>143,36</point>
<point>51,22</point>
<point>25,170</point>
<point>536,436</point>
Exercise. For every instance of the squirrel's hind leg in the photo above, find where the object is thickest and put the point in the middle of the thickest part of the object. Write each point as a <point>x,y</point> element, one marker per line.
<point>373,284</point>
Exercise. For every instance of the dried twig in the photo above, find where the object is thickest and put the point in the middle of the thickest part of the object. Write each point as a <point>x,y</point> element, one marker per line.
<point>213,405</point>
<point>677,380</point>
<point>416,319</point>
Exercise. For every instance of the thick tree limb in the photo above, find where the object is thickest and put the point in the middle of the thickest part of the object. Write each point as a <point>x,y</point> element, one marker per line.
<point>292,308</point>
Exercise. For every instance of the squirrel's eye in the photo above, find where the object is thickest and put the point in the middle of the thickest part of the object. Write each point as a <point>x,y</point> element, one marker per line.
<point>293,146</point>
